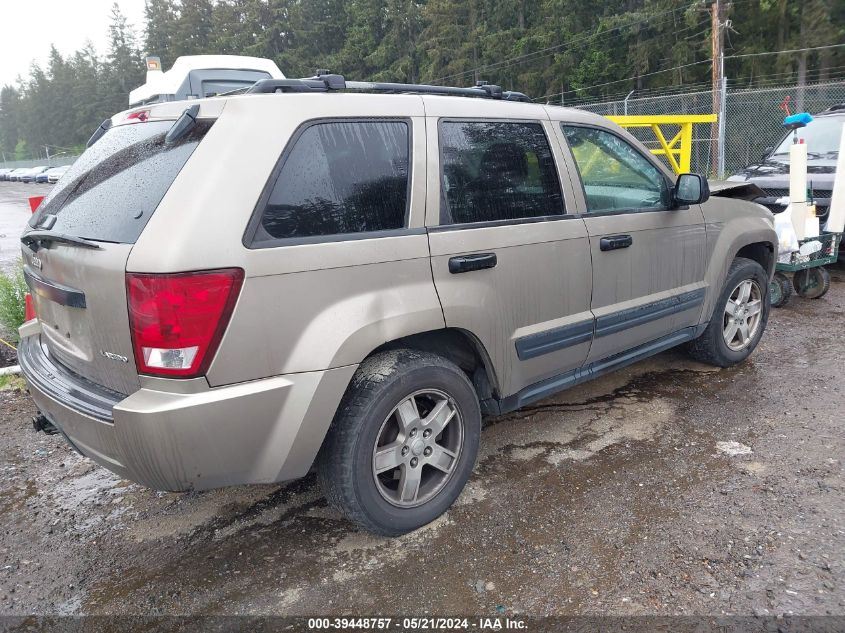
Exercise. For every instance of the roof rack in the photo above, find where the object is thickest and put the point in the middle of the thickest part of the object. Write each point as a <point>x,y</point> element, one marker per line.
<point>324,81</point>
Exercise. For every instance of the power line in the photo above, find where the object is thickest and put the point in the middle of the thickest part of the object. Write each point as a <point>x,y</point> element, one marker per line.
<point>794,50</point>
<point>510,61</point>
<point>704,61</point>
<point>610,83</point>
<point>813,71</point>
<point>687,90</point>
<point>650,94</point>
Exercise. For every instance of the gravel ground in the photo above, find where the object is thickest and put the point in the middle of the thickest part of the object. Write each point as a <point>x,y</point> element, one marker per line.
<point>667,488</point>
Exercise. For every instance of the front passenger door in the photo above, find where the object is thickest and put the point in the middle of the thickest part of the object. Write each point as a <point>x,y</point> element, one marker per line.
<point>648,259</point>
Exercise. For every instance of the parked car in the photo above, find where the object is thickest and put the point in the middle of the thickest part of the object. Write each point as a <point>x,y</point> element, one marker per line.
<point>54,174</point>
<point>15,174</point>
<point>414,261</point>
<point>4,172</point>
<point>30,175</point>
<point>771,174</point>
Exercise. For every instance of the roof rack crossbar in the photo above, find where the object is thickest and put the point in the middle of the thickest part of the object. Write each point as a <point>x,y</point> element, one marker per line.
<point>326,82</point>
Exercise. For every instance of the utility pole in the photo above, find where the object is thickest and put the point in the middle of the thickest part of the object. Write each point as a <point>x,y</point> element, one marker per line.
<point>718,57</point>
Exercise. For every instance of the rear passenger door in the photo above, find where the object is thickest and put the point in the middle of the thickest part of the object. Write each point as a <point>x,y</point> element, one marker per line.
<point>510,266</point>
<point>648,259</point>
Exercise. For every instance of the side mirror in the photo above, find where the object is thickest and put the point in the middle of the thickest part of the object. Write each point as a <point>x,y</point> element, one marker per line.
<point>690,189</point>
<point>767,151</point>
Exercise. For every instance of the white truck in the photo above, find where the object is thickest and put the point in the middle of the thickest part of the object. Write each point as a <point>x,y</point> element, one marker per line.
<point>199,76</point>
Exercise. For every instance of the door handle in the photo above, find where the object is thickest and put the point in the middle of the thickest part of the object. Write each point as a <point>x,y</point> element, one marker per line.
<point>468,263</point>
<point>615,241</point>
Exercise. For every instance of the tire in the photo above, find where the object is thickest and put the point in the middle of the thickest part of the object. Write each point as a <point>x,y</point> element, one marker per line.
<point>377,413</point>
<point>780,290</point>
<point>712,347</point>
<point>811,283</point>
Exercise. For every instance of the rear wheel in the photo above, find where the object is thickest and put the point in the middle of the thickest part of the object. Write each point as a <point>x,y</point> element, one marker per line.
<point>812,283</point>
<point>780,290</point>
<point>739,316</point>
<point>403,442</point>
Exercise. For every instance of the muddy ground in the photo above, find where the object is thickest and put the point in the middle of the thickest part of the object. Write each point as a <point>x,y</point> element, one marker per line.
<point>623,497</point>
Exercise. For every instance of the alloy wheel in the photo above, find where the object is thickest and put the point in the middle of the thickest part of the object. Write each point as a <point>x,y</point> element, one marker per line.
<point>417,448</point>
<point>743,314</point>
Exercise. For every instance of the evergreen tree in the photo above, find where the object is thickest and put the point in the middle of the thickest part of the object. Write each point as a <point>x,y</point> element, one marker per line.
<point>160,32</point>
<point>123,69</point>
<point>10,105</point>
<point>194,28</point>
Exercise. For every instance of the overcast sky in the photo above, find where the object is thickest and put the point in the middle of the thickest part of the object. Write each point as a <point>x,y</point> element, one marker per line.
<point>28,27</point>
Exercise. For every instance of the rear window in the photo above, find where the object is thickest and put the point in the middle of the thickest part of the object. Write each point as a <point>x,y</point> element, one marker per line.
<point>112,190</point>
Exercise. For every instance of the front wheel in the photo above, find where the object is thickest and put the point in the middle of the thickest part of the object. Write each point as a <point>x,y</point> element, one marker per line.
<point>403,442</point>
<point>739,316</point>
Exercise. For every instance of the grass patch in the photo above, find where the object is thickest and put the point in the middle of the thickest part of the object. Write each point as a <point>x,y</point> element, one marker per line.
<point>12,382</point>
<point>13,291</point>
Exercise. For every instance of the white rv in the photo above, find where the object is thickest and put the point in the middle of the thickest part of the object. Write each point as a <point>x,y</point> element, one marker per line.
<point>199,76</point>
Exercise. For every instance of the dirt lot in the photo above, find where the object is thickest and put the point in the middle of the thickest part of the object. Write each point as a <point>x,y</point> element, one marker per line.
<point>619,497</point>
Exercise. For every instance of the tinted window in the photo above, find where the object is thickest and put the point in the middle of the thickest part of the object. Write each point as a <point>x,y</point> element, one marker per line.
<point>111,191</point>
<point>497,171</point>
<point>340,178</point>
<point>614,174</point>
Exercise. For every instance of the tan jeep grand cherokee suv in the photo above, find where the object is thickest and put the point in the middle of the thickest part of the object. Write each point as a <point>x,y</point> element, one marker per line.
<point>349,275</point>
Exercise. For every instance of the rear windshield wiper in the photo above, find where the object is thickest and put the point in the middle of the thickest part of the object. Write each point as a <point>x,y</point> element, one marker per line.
<point>184,124</point>
<point>37,238</point>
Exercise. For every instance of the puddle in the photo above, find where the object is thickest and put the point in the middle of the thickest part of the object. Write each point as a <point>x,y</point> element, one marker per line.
<point>15,495</point>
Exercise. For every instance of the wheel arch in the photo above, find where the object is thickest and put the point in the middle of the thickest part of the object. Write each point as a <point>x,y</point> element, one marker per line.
<point>761,252</point>
<point>464,349</point>
<point>748,237</point>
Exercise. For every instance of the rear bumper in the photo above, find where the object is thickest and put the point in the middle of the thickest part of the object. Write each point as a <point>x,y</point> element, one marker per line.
<point>261,431</point>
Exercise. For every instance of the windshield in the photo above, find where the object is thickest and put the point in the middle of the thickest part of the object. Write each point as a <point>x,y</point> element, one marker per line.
<point>821,135</point>
<point>111,191</point>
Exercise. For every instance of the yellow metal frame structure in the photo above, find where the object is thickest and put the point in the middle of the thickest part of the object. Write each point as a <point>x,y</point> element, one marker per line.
<point>678,150</point>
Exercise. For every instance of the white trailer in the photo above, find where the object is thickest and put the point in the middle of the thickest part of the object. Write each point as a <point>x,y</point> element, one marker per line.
<point>199,76</point>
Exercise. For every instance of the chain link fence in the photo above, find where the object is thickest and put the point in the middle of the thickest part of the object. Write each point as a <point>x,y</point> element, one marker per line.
<point>753,118</point>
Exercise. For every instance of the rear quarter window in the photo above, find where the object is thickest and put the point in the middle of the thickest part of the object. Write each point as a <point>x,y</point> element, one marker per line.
<point>338,178</point>
<point>113,189</point>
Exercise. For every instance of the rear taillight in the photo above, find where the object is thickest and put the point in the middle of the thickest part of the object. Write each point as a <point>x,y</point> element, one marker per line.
<point>177,320</point>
